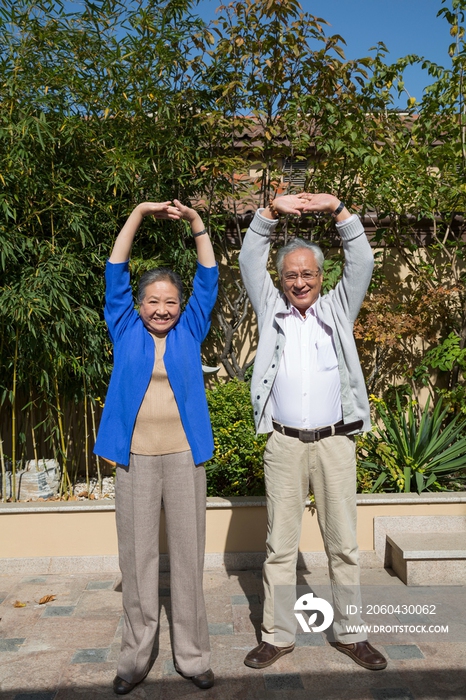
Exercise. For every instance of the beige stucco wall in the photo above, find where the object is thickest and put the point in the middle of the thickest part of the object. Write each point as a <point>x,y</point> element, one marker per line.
<point>57,530</point>
<point>57,534</point>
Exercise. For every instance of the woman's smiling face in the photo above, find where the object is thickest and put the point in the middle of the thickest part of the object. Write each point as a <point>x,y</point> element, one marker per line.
<point>160,309</point>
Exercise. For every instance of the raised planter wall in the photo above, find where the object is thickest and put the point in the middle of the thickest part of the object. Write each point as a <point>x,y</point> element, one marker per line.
<point>81,535</point>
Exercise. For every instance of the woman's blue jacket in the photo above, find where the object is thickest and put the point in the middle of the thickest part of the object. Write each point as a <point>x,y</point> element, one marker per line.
<point>134,354</point>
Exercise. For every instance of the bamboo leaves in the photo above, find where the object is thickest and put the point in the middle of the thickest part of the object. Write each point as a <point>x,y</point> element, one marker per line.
<point>92,99</point>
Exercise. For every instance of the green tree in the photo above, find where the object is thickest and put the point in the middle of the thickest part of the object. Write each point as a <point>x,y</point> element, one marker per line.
<point>418,197</point>
<point>114,102</point>
<point>95,115</point>
<point>283,95</point>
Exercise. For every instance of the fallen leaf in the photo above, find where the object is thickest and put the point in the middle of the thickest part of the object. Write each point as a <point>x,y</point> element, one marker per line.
<point>47,599</point>
<point>19,604</point>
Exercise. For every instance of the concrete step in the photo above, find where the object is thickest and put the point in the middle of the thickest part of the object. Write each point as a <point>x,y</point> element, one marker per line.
<point>428,559</point>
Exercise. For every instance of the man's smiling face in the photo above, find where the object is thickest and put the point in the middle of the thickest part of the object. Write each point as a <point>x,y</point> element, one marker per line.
<point>301,279</point>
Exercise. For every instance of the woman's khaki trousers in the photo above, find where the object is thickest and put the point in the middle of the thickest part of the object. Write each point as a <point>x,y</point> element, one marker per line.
<point>140,490</point>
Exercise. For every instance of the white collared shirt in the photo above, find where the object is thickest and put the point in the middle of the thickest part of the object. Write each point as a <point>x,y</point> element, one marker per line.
<point>306,391</point>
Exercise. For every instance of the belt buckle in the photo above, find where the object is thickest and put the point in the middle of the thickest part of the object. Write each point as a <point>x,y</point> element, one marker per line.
<point>309,435</point>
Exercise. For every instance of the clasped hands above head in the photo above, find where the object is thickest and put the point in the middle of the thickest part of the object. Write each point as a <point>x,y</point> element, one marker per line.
<point>167,210</point>
<point>304,202</point>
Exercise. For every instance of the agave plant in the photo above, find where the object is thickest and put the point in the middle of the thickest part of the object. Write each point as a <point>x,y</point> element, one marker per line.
<point>409,452</point>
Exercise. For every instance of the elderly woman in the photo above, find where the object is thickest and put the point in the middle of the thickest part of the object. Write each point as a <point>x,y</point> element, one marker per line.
<point>156,427</point>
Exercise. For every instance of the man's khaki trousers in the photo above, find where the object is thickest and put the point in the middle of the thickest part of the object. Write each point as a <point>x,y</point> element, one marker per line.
<point>140,489</point>
<point>292,468</point>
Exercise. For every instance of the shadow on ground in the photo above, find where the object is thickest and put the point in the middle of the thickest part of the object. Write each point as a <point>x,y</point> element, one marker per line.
<point>425,684</point>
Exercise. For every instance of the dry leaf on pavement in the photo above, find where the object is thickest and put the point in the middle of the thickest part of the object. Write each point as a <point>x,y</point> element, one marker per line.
<point>47,599</point>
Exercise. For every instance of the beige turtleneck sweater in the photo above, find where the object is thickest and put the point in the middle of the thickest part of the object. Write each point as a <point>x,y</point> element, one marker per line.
<point>158,428</point>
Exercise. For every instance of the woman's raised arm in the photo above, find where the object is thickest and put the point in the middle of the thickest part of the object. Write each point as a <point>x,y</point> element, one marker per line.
<point>205,252</point>
<point>159,210</point>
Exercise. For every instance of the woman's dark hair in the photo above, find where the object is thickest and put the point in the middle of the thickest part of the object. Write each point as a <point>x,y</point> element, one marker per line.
<point>156,275</point>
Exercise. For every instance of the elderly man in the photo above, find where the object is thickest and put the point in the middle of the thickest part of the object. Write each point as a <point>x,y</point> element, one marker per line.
<point>309,395</point>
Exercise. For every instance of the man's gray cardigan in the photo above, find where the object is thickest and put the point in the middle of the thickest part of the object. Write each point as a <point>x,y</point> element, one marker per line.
<point>338,309</point>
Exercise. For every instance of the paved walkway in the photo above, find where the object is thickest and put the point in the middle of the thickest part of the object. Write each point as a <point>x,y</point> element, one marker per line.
<point>67,648</point>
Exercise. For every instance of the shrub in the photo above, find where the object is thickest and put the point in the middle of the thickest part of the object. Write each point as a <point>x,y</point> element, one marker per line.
<point>236,469</point>
<point>412,450</point>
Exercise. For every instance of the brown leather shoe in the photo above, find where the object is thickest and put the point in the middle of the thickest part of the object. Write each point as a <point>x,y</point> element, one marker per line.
<point>122,687</point>
<point>363,654</point>
<point>265,655</point>
<point>203,680</point>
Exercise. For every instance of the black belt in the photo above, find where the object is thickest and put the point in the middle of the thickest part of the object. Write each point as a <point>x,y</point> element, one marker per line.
<point>339,428</point>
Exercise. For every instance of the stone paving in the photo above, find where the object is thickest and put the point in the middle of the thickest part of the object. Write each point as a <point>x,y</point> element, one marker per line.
<point>67,648</point>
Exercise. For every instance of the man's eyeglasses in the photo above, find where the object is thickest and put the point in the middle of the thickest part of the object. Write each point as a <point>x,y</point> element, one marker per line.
<point>307,275</point>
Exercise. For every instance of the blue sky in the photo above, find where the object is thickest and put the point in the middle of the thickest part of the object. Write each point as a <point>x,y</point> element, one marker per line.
<point>405,27</point>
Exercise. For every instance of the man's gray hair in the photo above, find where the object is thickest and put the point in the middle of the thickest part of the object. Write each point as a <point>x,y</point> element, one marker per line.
<point>158,274</point>
<point>296,244</point>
